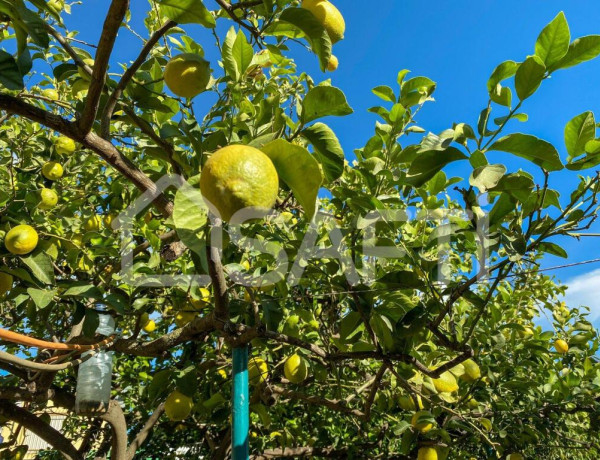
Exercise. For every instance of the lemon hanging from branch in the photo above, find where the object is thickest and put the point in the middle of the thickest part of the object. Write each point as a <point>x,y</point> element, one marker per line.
<point>239,177</point>
<point>187,75</point>
<point>329,16</point>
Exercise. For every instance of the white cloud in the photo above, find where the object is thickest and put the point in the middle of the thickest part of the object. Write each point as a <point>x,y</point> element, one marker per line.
<point>585,290</point>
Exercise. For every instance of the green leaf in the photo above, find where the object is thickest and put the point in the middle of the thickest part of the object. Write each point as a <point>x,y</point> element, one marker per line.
<point>229,62</point>
<point>517,185</point>
<point>323,101</point>
<point>384,92</point>
<point>328,150</point>
<point>487,177</point>
<point>299,170</point>
<point>41,297</point>
<point>536,150</point>
<point>505,70</point>
<point>83,290</point>
<point>10,76</point>
<point>36,27</point>
<point>190,216</point>
<point>553,42</point>
<point>242,52</point>
<point>554,249</point>
<point>504,206</point>
<point>501,95</point>
<point>578,132</point>
<point>427,164</point>
<point>310,28</point>
<point>40,265</point>
<point>529,77</point>
<point>402,279</point>
<point>581,50</point>
<point>187,12</point>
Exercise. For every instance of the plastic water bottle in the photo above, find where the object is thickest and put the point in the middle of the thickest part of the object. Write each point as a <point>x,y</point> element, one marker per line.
<point>94,377</point>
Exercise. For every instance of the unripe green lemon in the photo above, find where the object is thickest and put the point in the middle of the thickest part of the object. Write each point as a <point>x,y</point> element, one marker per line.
<point>6,282</point>
<point>178,406</point>
<point>472,371</point>
<point>295,369</point>
<point>423,427</point>
<point>187,75</point>
<point>48,199</point>
<point>21,240</point>
<point>108,220</point>
<point>92,224</point>
<point>82,73</point>
<point>333,63</point>
<point>329,16</point>
<point>64,145</point>
<point>257,370</point>
<point>561,346</point>
<point>52,170</point>
<point>51,94</point>
<point>516,456</point>
<point>526,333</point>
<point>238,177</point>
<point>427,453</point>
<point>80,87</point>
<point>446,383</point>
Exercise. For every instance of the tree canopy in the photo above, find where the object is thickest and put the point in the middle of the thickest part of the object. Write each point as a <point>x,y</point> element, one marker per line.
<point>390,309</point>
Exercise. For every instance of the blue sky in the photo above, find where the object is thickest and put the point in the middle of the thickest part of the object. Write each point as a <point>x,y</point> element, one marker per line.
<point>457,44</point>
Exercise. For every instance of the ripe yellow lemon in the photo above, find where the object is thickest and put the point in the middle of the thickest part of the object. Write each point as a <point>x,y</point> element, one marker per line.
<point>92,224</point>
<point>178,406</point>
<point>427,453</point>
<point>199,304</point>
<point>48,199</point>
<point>52,170</point>
<point>333,63</point>
<point>295,369</point>
<point>150,326</point>
<point>21,240</point>
<point>82,73</point>
<point>257,370</point>
<point>64,145</point>
<point>6,282</point>
<point>187,75</point>
<point>423,427</point>
<point>472,371</point>
<point>329,16</point>
<point>51,94</point>
<point>408,403</point>
<point>561,346</point>
<point>446,383</point>
<point>183,318</point>
<point>238,177</point>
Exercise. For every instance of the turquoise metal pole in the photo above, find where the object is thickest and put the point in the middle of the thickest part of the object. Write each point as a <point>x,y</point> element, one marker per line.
<point>240,405</point>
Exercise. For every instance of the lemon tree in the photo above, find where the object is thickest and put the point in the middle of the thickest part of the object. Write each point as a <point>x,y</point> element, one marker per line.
<point>390,311</point>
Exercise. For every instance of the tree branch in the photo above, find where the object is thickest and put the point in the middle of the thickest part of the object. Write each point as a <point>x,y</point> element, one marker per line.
<point>93,142</point>
<point>128,75</point>
<point>143,434</point>
<point>217,275</point>
<point>39,428</point>
<point>116,419</point>
<point>112,23</point>
<point>230,10</point>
